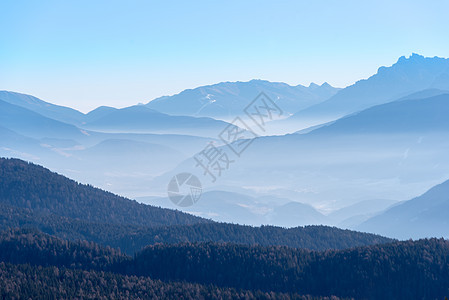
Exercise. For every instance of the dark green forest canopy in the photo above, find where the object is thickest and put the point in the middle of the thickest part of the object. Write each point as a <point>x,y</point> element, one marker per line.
<point>399,270</point>
<point>32,196</point>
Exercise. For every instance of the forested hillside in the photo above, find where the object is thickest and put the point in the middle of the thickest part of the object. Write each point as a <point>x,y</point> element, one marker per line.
<point>35,265</point>
<point>399,270</point>
<point>27,185</point>
<point>99,254</point>
<point>34,197</point>
<point>130,238</point>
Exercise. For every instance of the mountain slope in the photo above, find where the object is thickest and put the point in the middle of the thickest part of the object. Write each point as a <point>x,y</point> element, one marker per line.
<point>9,138</point>
<point>37,266</point>
<point>97,113</point>
<point>423,216</point>
<point>31,196</point>
<point>31,116</point>
<point>227,100</point>
<point>30,186</point>
<point>392,151</point>
<point>121,157</point>
<point>76,152</point>
<point>407,76</point>
<point>131,239</point>
<point>352,215</point>
<point>232,207</point>
<point>32,124</point>
<point>52,111</point>
<point>13,144</point>
<point>406,116</point>
<point>400,270</point>
<point>297,214</point>
<point>141,119</point>
<point>31,261</point>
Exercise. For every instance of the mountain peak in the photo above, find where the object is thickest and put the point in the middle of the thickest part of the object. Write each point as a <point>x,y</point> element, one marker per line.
<point>415,65</point>
<point>418,58</point>
<point>413,57</point>
<point>226,100</point>
<point>408,75</point>
<point>313,85</point>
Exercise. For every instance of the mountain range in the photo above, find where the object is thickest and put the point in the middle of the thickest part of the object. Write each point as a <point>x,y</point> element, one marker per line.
<point>378,142</point>
<point>425,215</point>
<point>371,159</point>
<point>228,100</point>
<point>406,76</point>
<point>384,152</point>
<point>233,207</point>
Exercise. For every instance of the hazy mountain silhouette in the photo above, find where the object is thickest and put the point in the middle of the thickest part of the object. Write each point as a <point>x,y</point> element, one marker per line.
<point>133,119</point>
<point>56,112</point>
<point>414,115</point>
<point>391,151</point>
<point>394,150</point>
<point>32,124</point>
<point>227,100</point>
<point>295,214</point>
<point>423,216</point>
<point>118,161</point>
<point>141,119</point>
<point>231,207</point>
<point>406,76</point>
<point>353,215</point>
<point>98,113</point>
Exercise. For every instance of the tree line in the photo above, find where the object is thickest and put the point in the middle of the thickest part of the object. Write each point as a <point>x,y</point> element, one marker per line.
<point>398,270</point>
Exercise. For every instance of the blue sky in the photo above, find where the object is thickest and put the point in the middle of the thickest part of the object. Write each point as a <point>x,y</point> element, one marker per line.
<point>89,53</point>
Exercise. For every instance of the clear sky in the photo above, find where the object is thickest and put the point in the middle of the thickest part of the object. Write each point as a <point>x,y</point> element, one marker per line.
<point>85,54</point>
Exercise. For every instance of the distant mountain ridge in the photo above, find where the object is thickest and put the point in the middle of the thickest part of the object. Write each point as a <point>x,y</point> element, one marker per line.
<point>423,216</point>
<point>23,114</point>
<point>232,207</point>
<point>32,124</point>
<point>74,151</point>
<point>406,76</point>
<point>394,150</point>
<point>427,114</point>
<point>227,100</point>
<point>49,110</point>
<point>391,151</point>
<point>142,119</point>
